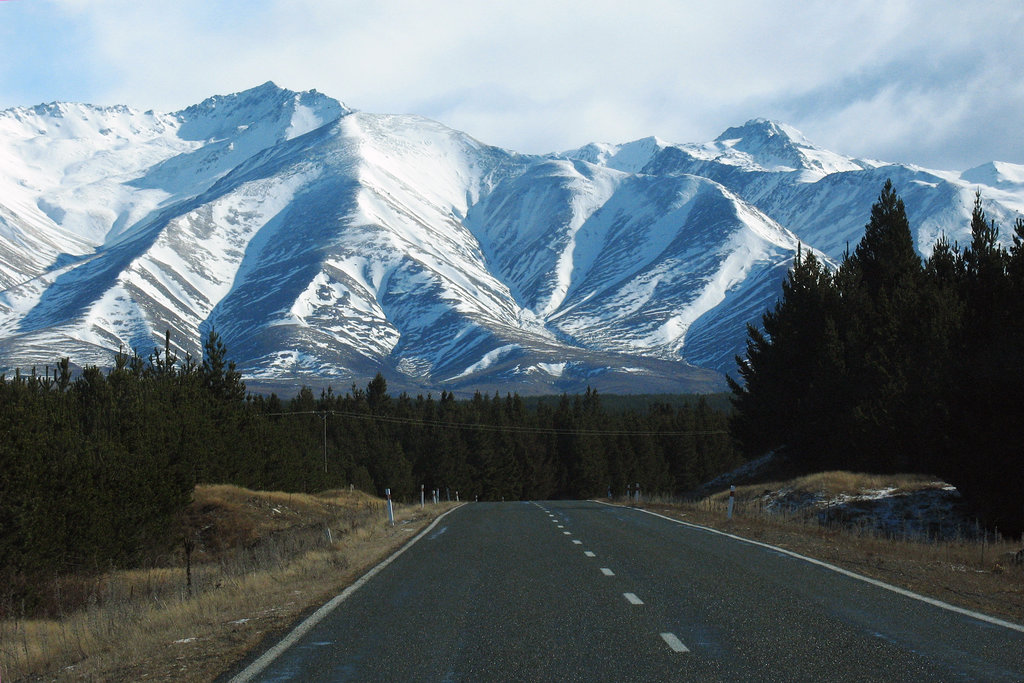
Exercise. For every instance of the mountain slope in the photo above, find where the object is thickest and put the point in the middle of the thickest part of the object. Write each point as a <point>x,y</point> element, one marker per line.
<point>325,244</point>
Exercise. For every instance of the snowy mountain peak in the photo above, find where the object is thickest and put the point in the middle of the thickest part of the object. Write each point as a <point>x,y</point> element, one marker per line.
<point>759,133</point>
<point>326,245</point>
<point>630,157</point>
<point>762,144</point>
<point>998,174</point>
<point>291,113</point>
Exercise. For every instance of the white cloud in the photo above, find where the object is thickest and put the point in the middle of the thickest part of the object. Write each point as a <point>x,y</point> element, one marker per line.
<point>540,76</point>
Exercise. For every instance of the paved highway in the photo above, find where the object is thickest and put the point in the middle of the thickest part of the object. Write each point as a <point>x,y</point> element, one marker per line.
<point>574,591</point>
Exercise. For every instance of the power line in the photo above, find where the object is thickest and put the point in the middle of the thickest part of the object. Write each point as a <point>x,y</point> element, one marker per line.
<point>515,429</point>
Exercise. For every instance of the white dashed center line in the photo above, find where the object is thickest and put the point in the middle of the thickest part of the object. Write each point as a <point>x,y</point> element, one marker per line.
<point>567,533</point>
<point>632,598</point>
<point>588,553</point>
<point>577,542</point>
<point>607,572</point>
<point>674,643</point>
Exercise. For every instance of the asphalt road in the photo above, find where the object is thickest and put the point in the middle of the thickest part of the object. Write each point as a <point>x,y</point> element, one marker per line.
<point>574,591</point>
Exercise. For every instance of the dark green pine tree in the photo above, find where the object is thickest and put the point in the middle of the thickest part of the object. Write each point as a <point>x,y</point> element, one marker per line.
<point>786,384</point>
<point>377,394</point>
<point>220,378</point>
<point>885,259</point>
<point>937,380</point>
<point>879,287</point>
<point>988,458</point>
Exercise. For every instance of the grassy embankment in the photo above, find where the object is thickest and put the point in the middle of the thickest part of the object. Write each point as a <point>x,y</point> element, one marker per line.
<point>973,570</point>
<point>260,561</point>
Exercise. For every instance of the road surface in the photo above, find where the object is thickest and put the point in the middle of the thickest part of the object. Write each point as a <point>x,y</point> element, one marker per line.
<point>581,591</point>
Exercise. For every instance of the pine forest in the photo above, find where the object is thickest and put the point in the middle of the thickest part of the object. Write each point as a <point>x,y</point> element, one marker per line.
<point>885,363</point>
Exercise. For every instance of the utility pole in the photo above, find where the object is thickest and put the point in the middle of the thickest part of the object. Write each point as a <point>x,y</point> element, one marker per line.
<point>324,416</point>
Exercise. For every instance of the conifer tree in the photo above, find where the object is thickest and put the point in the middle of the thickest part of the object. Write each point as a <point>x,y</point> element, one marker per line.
<point>775,403</point>
<point>221,379</point>
<point>884,259</point>
<point>880,291</point>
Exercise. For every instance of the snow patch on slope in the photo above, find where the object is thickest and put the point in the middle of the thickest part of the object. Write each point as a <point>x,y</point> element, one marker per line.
<point>489,359</point>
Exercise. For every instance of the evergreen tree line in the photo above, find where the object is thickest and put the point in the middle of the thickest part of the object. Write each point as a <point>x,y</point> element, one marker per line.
<point>890,363</point>
<point>486,448</point>
<point>95,469</point>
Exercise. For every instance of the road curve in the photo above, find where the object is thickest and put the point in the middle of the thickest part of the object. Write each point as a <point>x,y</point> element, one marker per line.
<point>574,591</point>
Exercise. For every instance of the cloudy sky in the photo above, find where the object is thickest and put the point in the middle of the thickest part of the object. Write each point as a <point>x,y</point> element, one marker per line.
<point>933,82</point>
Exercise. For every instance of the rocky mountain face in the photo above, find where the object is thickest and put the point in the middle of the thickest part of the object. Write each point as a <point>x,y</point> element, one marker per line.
<point>325,244</point>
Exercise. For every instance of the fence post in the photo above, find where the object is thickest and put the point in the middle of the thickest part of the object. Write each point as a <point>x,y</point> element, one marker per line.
<point>391,510</point>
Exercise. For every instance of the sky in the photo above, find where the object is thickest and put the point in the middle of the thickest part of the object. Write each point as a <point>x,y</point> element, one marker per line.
<point>930,82</point>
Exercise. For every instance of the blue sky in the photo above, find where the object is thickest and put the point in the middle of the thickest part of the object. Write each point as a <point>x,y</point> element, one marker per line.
<point>931,82</point>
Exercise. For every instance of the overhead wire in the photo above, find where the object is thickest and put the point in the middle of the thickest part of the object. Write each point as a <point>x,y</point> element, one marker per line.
<point>515,429</point>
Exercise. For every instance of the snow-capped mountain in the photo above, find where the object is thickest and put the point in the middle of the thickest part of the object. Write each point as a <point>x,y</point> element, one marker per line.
<point>325,244</point>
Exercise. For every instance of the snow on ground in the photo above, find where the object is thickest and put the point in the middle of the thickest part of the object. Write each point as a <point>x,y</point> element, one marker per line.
<point>935,511</point>
<point>918,508</point>
<point>553,369</point>
<point>489,359</point>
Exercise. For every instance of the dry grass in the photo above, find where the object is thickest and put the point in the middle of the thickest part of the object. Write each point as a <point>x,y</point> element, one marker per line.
<point>260,561</point>
<point>976,571</point>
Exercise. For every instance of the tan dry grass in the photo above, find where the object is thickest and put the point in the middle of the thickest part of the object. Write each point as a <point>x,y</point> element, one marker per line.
<point>976,573</point>
<point>262,560</point>
<point>834,483</point>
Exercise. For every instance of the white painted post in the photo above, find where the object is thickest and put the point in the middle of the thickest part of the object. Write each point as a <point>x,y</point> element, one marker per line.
<point>391,510</point>
<point>638,493</point>
<point>456,495</point>
<point>421,495</point>
<point>732,499</point>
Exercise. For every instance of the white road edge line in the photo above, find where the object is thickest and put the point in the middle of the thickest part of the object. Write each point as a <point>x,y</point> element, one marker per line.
<point>607,572</point>
<point>846,572</point>
<point>674,643</point>
<point>632,598</point>
<point>268,657</point>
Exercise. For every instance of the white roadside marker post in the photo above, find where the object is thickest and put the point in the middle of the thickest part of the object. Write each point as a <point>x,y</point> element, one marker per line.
<point>391,510</point>
<point>732,499</point>
<point>421,495</point>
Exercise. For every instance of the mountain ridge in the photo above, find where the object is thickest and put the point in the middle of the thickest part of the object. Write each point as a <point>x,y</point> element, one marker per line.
<point>325,244</point>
